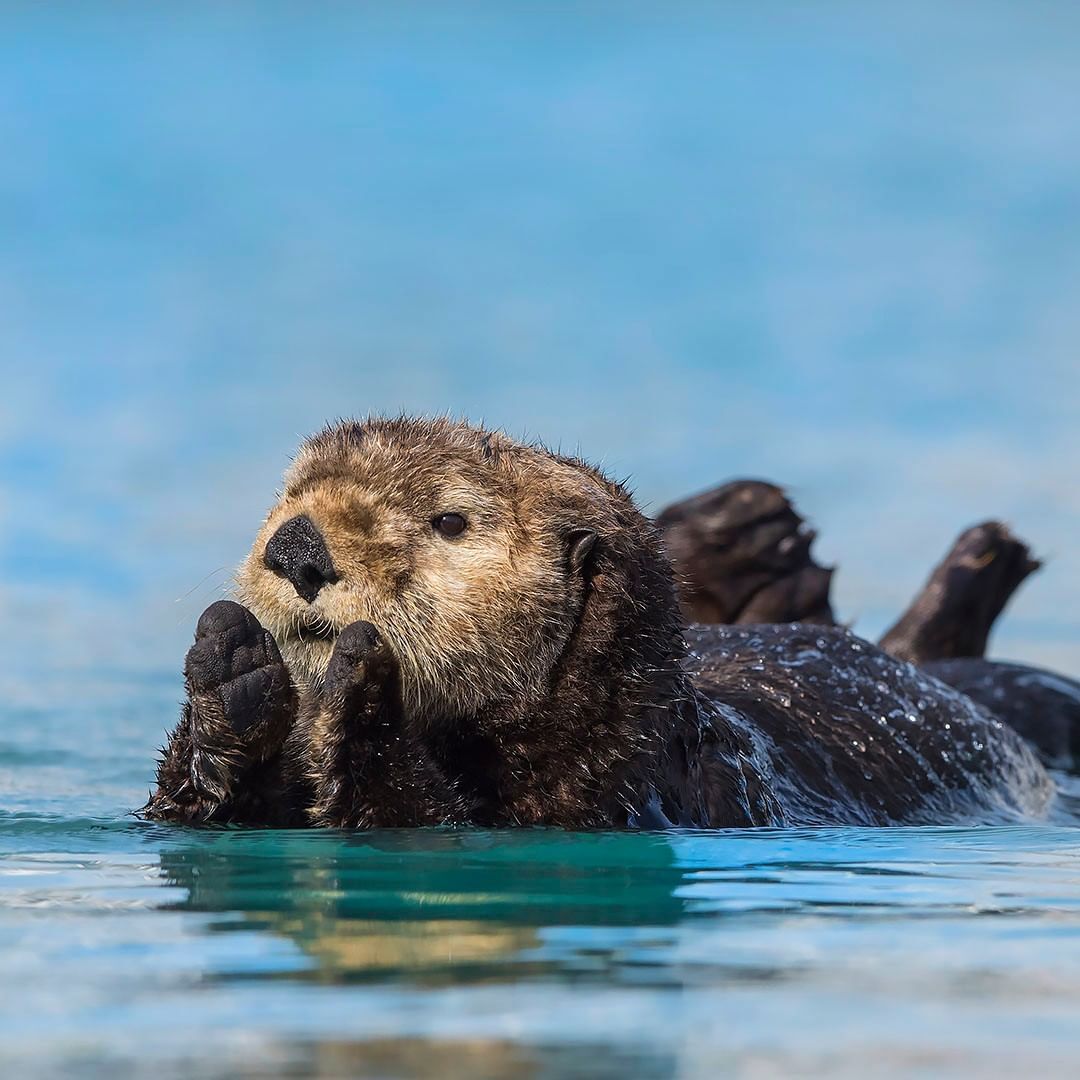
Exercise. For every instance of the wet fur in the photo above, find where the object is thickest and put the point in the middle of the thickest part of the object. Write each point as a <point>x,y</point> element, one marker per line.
<point>534,671</point>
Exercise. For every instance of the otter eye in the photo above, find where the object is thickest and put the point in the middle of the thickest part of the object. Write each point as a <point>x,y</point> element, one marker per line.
<point>449,524</point>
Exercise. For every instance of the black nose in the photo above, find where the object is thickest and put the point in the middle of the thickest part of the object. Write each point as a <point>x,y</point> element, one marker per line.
<point>298,552</point>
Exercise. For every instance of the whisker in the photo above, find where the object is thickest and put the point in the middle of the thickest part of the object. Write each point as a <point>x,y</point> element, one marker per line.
<point>199,584</point>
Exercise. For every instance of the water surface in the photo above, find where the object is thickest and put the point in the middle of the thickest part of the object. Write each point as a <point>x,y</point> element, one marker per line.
<point>144,950</point>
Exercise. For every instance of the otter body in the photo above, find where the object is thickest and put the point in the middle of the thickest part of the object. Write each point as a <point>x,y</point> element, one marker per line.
<point>1042,706</point>
<point>442,626</point>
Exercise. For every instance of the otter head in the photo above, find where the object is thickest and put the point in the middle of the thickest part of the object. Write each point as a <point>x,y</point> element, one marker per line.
<point>495,571</point>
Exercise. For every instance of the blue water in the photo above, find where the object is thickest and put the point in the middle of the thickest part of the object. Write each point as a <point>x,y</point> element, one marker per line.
<point>165,952</point>
<point>836,245</point>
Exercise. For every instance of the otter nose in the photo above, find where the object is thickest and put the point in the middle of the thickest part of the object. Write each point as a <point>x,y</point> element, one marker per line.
<point>298,552</point>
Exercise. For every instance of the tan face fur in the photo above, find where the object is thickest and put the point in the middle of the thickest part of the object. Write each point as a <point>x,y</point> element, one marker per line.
<point>478,618</point>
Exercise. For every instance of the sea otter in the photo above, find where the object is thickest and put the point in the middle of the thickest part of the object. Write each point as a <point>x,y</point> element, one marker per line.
<point>440,625</point>
<point>742,554</point>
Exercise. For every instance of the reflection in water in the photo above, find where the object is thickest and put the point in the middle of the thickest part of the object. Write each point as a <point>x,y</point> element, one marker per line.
<point>427,906</point>
<point>438,912</point>
<point>468,1060</point>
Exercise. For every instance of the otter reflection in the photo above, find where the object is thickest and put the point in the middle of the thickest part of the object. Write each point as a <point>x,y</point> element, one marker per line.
<point>470,1059</point>
<point>425,906</point>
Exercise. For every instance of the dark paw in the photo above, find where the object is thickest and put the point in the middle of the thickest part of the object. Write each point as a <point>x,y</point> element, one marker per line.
<point>238,661</point>
<point>360,657</point>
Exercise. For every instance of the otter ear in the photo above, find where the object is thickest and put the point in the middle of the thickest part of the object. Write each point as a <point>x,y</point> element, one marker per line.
<point>579,546</point>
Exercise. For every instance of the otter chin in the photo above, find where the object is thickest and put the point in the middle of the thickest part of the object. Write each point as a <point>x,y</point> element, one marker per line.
<point>437,624</point>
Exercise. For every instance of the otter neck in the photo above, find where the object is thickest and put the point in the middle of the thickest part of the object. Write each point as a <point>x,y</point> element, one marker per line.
<point>616,736</point>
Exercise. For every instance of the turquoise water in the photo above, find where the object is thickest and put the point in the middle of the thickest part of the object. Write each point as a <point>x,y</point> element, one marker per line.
<point>132,950</point>
<point>836,245</point>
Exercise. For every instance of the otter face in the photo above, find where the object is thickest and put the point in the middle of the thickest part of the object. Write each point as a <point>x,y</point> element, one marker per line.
<point>462,548</point>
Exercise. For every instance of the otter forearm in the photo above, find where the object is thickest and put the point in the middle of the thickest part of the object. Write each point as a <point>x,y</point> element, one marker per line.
<point>199,771</point>
<point>225,761</point>
<point>365,767</point>
<point>366,773</point>
<point>207,775</point>
<point>193,780</point>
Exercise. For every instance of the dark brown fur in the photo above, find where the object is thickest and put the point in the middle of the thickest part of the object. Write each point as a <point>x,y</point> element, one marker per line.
<point>742,555</point>
<point>1042,705</point>
<point>532,671</point>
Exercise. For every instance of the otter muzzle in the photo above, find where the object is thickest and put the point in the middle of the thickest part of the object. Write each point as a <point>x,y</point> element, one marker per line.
<point>298,553</point>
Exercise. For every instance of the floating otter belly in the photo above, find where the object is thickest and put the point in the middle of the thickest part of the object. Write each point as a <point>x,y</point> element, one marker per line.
<point>442,626</point>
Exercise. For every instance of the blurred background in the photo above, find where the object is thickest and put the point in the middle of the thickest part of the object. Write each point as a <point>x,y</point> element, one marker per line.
<point>833,245</point>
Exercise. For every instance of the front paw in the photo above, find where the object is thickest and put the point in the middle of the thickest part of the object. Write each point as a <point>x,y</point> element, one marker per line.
<point>362,669</point>
<point>236,664</point>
